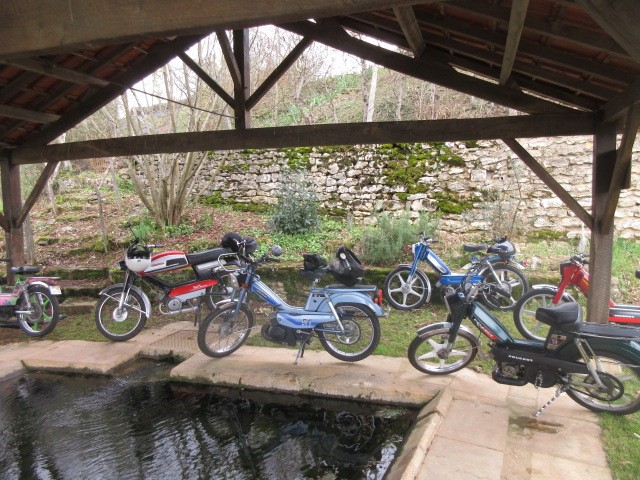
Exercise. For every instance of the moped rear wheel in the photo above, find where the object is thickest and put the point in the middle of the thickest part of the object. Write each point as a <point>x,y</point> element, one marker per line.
<point>45,312</point>
<point>524,312</point>
<point>621,392</point>
<point>223,332</point>
<point>429,355</point>
<point>120,324</point>
<point>359,338</point>
<point>511,282</point>
<point>404,293</point>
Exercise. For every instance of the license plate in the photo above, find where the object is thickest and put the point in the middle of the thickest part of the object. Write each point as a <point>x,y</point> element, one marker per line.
<point>55,290</point>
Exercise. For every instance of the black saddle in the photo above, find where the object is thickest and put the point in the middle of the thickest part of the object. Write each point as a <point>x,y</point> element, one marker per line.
<point>474,247</point>
<point>207,256</point>
<point>564,317</point>
<point>25,270</point>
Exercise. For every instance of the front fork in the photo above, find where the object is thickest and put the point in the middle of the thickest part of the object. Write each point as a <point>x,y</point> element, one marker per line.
<point>128,282</point>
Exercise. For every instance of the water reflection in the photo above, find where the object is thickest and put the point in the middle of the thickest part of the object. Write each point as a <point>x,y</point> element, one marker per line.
<point>69,427</point>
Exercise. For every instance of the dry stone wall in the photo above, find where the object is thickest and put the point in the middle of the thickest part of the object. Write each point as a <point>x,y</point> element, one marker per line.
<point>480,187</point>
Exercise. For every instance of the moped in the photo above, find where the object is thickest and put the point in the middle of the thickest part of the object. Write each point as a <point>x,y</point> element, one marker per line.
<point>407,287</point>
<point>123,308</point>
<point>344,317</point>
<point>573,274</point>
<point>32,301</point>
<point>597,365</point>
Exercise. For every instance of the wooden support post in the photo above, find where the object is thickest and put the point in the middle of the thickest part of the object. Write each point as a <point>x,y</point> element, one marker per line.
<point>11,201</point>
<point>241,90</point>
<point>601,254</point>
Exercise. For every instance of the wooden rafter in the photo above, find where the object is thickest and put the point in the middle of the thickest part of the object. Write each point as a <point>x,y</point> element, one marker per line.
<point>332,35</point>
<point>36,191</point>
<point>27,115</point>
<point>409,24</point>
<point>277,73</point>
<point>227,52</point>
<point>516,25</point>
<point>621,169</point>
<point>549,181</point>
<point>521,126</point>
<point>619,18</point>
<point>211,83</point>
<point>56,71</point>
<point>619,104</point>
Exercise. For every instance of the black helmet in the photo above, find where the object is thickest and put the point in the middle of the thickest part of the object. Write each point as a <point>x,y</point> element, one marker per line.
<point>502,247</point>
<point>239,244</point>
<point>346,267</point>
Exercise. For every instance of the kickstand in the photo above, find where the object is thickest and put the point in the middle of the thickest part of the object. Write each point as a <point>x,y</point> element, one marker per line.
<point>196,320</point>
<point>303,344</point>
<point>561,389</point>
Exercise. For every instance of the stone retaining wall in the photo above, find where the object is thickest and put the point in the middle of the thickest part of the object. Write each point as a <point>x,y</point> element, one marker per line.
<point>477,186</point>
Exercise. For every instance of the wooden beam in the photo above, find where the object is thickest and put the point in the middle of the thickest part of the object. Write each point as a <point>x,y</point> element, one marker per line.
<point>550,182</point>
<point>36,191</point>
<point>56,71</point>
<point>27,115</point>
<point>330,34</point>
<point>619,104</point>
<point>514,32</point>
<point>227,53</point>
<point>619,18</point>
<point>522,126</point>
<point>277,73</point>
<point>11,199</point>
<point>34,27</point>
<point>241,91</point>
<point>211,83</point>
<point>601,251</point>
<point>621,169</point>
<point>411,29</point>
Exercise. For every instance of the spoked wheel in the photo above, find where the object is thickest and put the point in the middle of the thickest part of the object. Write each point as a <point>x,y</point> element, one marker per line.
<point>222,332</point>
<point>524,312</point>
<point>620,390</point>
<point>120,324</point>
<point>359,338</point>
<point>45,312</point>
<point>405,291</point>
<point>429,353</point>
<point>510,281</point>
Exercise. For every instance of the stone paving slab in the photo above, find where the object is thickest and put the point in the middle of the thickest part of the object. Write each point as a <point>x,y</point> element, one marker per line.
<point>11,356</point>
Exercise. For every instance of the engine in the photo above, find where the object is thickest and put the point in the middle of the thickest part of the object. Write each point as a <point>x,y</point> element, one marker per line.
<point>509,374</point>
<point>174,305</point>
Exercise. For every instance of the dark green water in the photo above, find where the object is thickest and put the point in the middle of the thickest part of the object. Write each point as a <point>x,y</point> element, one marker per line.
<point>139,425</point>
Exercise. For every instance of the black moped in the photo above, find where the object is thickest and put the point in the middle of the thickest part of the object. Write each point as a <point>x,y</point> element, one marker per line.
<point>597,365</point>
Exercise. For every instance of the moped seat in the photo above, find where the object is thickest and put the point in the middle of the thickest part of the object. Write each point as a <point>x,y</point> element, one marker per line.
<point>25,270</point>
<point>565,316</point>
<point>207,255</point>
<point>474,247</point>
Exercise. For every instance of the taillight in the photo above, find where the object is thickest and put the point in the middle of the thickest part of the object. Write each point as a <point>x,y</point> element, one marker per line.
<point>378,298</point>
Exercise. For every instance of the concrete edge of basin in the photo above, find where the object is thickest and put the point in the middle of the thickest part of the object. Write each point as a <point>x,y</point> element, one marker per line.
<point>414,449</point>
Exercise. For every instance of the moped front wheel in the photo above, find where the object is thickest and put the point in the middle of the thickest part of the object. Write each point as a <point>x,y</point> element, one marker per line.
<point>358,337</point>
<point>223,332</point>
<point>620,390</point>
<point>429,354</point>
<point>524,312</point>
<point>404,291</point>
<point>120,324</point>
<point>45,312</point>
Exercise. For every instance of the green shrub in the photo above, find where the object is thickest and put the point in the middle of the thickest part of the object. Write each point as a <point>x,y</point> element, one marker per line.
<point>296,210</point>
<point>384,243</point>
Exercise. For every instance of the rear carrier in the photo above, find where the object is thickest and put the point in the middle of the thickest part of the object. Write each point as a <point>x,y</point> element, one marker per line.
<point>215,268</point>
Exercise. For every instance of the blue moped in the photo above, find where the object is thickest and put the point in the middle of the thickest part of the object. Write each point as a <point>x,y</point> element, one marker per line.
<point>407,287</point>
<point>344,317</point>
